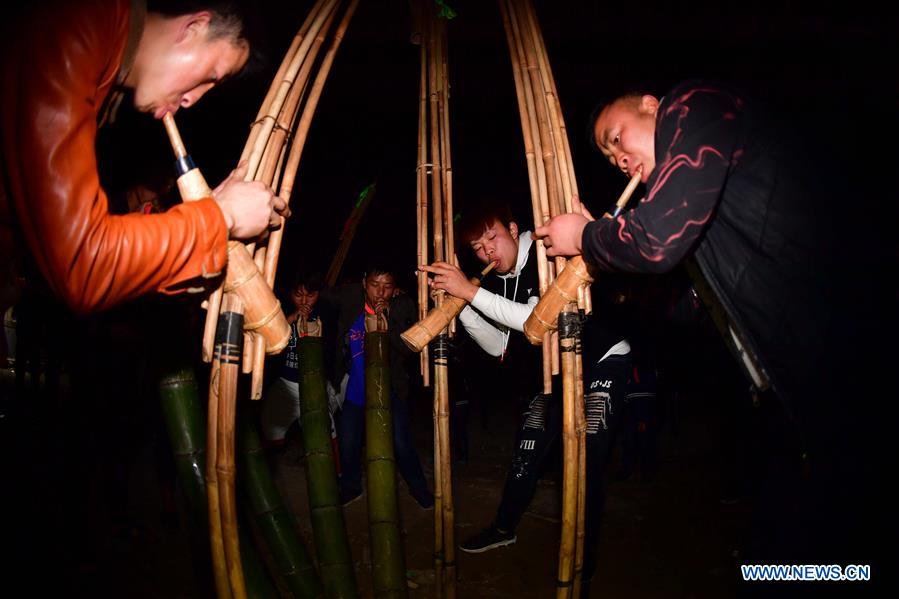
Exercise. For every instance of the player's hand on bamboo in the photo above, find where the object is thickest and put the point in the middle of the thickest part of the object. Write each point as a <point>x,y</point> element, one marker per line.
<point>249,207</point>
<point>449,278</point>
<point>562,234</point>
<point>382,306</point>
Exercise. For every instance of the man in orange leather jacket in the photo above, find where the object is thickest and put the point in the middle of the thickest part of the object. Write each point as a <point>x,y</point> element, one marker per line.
<point>64,65</point>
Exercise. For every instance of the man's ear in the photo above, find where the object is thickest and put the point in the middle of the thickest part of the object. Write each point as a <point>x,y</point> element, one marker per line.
<point>649,105</point>
<point>194,26</point>
<point>513,229</point>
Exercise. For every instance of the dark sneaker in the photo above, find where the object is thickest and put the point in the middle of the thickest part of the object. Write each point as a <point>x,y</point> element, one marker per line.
<point>487,539</point>
<point>348,496</point>
<point>424,498</point>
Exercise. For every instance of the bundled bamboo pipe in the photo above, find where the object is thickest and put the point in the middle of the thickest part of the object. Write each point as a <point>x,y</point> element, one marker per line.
<point>421,195</point>
<point>260,134</point>
<point>564,288</point>
<point>264,311</point>
<point>537,177</point>
<point>421,333</point>
<point>270,170</point>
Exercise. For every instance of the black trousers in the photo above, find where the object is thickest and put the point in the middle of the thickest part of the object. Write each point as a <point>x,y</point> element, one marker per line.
<point>605,387</point>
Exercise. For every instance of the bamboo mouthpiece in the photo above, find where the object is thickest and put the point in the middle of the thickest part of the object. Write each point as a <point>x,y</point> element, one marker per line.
<point>628,192</point>
<point>174,136</point>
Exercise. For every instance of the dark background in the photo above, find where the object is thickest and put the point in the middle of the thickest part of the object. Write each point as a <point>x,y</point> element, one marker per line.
<point>830,75</point>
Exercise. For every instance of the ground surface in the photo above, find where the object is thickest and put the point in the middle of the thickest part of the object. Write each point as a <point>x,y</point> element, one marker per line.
<point>669,536</point>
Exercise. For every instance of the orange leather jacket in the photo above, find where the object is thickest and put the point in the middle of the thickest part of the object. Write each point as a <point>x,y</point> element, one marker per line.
<point>56,74</point>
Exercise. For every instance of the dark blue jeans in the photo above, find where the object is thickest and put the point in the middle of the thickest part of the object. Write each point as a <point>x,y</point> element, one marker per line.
<point>352,434</point>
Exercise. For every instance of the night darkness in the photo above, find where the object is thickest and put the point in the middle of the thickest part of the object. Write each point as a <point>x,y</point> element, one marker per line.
<point>823,73</point>
<point>831,77</point>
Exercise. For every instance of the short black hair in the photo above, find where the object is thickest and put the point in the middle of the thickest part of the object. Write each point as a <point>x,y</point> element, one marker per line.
<point>311,280</point>
<point>238,20</point>
<point>378,266</point>
<point>481,217</point>
<point>604,102</point>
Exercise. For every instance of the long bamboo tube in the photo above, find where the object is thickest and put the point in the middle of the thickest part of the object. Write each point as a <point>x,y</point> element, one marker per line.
<point>311,104</point>
<point>429,158</point>
<point>265,122</point>
<point>230,325</point>
<point>328,525</point>
<point>536,173</point>
<point>568,332</point>
<point>228,348</point>
<point>580,422</point>
<point>274,521</point>
<point>387,555</point>
<point>421,193</point>
<point>441,384</point>
<point>183,414</point>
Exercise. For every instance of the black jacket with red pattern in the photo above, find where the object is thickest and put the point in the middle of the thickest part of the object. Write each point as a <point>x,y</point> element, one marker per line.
<point>739,192</point>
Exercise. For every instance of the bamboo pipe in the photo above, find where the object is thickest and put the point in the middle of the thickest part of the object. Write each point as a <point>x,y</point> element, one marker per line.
<point>279,77</point>
<point>441,387</point>
<point>225,364</point>
<point>228,356</point>
<point>564,288</point>
<point>568,332</point>
<point>550,160</point>
<point>422,201</point>
<point>296,151</point>
<point>263,310</point>
<point>436,166</point>
<point>580,422</point>
<point>536,175</point>
<point>261,131</point>
<point>269,170</point>
<point>421,333</point>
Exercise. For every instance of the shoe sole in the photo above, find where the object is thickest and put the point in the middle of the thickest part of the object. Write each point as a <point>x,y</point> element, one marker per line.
<point>491,546</point>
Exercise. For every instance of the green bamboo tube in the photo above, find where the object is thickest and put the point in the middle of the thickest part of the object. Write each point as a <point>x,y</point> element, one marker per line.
<point>183,416</point>
<point>293,561</point>
<point>328,526</point>
<point>387,559</point>
<point>568,324</point>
